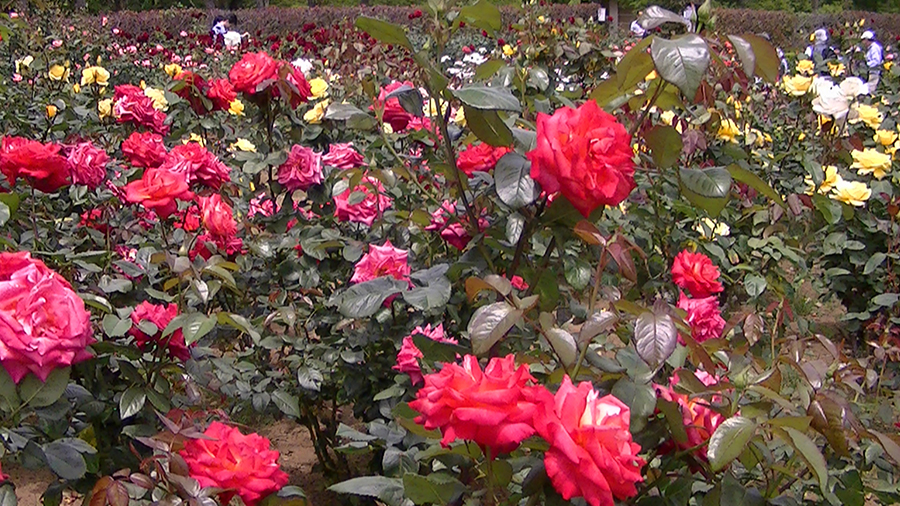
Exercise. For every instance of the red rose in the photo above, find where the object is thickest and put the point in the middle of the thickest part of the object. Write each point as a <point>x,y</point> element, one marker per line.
<point>130,104</point>
<point>221,93</point>
<point>87,164</point>
<point>207,244</point>
<point>343,156</point>
<point>144,149</point>
<point>302,169</point>
<point>700,421</point>
<point>241,465</point>
<point>194,88</point>
<point>591,453</point>
<point>489,407</point>
<point>197,165</point>
<point>585,154</point>
<point>366,211</point>
<point>696,273</point>
<point>217,216</point>
<point>160,316</point>
<point>480,157</point>
<point>251,70</point>
<point>394,114</point>
<point>41,164</point>
<point>453,230</point>
<point>157,190</point>
<point>703,316</point>
<point>43,323</point>
<point>297,85</point>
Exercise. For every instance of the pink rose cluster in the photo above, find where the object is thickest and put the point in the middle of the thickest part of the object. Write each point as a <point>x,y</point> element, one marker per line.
<point>696,273</point>
<point>700,420</point>
<point>50,166</point>
<point>373,204</point>
<point>130,104</point>
<point>452,225</point>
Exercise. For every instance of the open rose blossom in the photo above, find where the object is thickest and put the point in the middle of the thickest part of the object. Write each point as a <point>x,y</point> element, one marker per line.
<point>453,230</point>
<point>699,420</point>
<point>241,465</point>
<point>87,164</point>
<point>409,355</point>
<point>222,93</point>
<point>343,156</point>
<point>218,217</point>
<point>194,88</point>
<point>207,244</point>
<point>382,261</point>
<point>251,70</point>
<point>130,104</point>
<point>591,453</point>
<point>394,114</point>
<point>703,316</point>
<point>40,164</point>
<point>297,84</point>
<point>197,165</point>
<point>144,149</point>
<point>481,157</point>
<point>302,169</point>
<point>157,190</point>
<point>585,154</point>
<point>372,206</point>
<point>490,407</point>
<point>159,315</point>
<point>43,323</point>
<point>696,273</point>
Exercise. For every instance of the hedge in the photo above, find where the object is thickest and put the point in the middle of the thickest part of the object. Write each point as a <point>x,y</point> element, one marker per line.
<point>791,30</point>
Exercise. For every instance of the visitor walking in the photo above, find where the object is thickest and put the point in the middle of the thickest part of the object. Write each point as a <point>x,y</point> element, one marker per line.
<point>874,59</point>
<point>820,51</point>
<point>690,16</point>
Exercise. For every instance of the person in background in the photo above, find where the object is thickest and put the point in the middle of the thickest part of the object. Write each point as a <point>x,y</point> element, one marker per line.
<point>874,59</point>
<point>690,16</point>
<point>636,29</point>
<point>820,51</point>
<point>219,27</point>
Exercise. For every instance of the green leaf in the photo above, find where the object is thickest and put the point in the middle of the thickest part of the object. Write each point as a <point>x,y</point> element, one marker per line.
<point>767,63</point>
<point>810,453</point>
<point>655,337</point>
<point>65,460</point>
<point>39,394</point>
<point>4,214</point>
<point>753,181</point>
<point>364,299</point>
<point>131,402</point>
<point>665,145</point>
<point>410,100</point>
<point>755,285</point>
<point>238,322</point>
<point>487,69</point>
<point>634,66</point>
<point>674,419</point>
<point>745,52</point>
<point>512,177</point>
<point>8,495</point>
<point>287,403</point>
<point>96,301</point>
<point>639,397</point>
<point>384,32</point>
<point>707,189</point>
<point>873,263</point>
<point>830,209</point>
<point>487,98</point>
<point>432,489</point>
<point>577,272</point>
<point>197,327</point>
<point>489,324</point>
<point>682,61</point>
<point>563,344</point>
<point>341,112</point>
<point>488,127</point>
<point>10,398</point>
<point>886,299</point>
<point>389,490</point>
<point>728,441</point>
<point>435,351</point>
<point>11,200</point>
<point>482,14</point>
<point>654,16</point>
<point>433,295</point>
<point>113,326</point>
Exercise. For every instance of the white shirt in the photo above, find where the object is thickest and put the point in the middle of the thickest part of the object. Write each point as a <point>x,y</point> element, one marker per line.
<point>219,28</point>
<point>637,29</point>
<point>874,55</point>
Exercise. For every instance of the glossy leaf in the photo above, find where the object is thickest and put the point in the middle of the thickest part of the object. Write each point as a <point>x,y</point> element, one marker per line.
<point>364,299</point>
<point>487,98</point>
<point>654,16</point>
<point>488,127</point>
<point>388,490</point>
<point>131,402</point>
<point>728,441</point>
<point>665,145</point>
<point>767,63</point>
<point>384,32</point>
<point>655,337</point>
<point>745,52</point>
<point>39,394</point>
<point>512,177</point>
<point>750,179</point>
<point>682,61</point>
<point>432,489</point>
<point>563,344</point>
<point>707,189</point>
<point>489,324</point>
<point>810,453</point>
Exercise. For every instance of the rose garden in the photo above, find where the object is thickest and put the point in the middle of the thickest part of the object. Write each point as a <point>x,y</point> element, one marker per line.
<point>492,257</point>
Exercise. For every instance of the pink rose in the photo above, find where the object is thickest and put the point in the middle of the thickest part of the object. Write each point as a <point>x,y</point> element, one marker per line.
<point>87,164</point>
<point>302,169</point>
<point>381,261</point>
<point>144,149</point>
<point>372,206</point>
<point>343,156</point>
<point>131,105</point>
<point>409,355</point>
<point>696,273</point>
<point>453,230</point>
<point>197,165</point>
<point>43,323</point>
<point>703,316</point>
<point>160,316</point>
<point>699,420</point>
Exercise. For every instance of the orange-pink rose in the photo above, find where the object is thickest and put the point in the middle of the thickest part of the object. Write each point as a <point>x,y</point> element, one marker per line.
<point>696,273</point>
<point>157,190</point>
<point>217,216</point>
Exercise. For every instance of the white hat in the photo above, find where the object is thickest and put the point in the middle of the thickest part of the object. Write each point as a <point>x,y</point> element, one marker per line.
<point>868,35</point>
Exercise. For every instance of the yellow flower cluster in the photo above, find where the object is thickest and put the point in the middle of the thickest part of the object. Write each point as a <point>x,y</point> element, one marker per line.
<point>854,193</point>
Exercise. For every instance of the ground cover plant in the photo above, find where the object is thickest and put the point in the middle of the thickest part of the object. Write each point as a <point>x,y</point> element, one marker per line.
<point>536,262</point>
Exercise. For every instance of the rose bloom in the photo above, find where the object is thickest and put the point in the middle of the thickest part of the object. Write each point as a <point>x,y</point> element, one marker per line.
<point>699,420</point>
<point>374,204</point>
<point>453,231</point>
<point>194,88</point>
<point>302,169</point>
<point>394,114</point>
<point>853,87</point>
<point>160,316</point>
<point>806,67</point>
<point>157,190</point>
<point>207,244</point>
<point>490,407</point>
<point>41,164</point>
<point>885,137</point>
<point>585,154</point>
<point>409,355</point>
<point>728,130</point>
<point>297,84</point>
<point>591,453</point>
<point>831,101</point>
<point>217,216</point>
<point>854,193</point>
<point>144,149</point>
<point>131,105</point>
<point>830,181</point>
<point>868,114</point>
<point>43,323</point>
<point>343,156</point>
<point>189,221</point>
<point>197,165</point>
<point>222,93</point>
<point>87,164</point>
<point>871,161</point>
<point>696,273</point>
<point>703,316</point>
<point>241,465</point>
<point>480,157</point>
<point>796,85</point>
<point>158,97</point>
<point>381,261</point>
<point>251,70</point>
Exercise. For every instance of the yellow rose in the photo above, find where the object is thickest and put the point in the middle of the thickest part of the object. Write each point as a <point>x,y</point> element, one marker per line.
<point>801,137</point>
<point>243,145</point>
<point>836,69</point>
<point>870,161</point>
<point>387,128</point>
<point>194,138</point>
<point>868,114</point>
<point>432,110</point>
<point>158,97</point>
<point>667,117</point>
<point>509,50</point>
<point>885,137</point>
<point>651,76</point>
<point>797,85</point>
<point>318,87</point>
<point>51,111</point>
<point>709,230</point>
<point>831,179</point>
<point>95,75</point>
<point>888,65</point>
<point>104,107</point>
<point>58,73</point>
<point>806,67</point>
<point>236,108</point>
<point>76,88</point>
<point>855,193</point>
<point>728,130</point>
<point>314,116</point>
<point>173,69</point>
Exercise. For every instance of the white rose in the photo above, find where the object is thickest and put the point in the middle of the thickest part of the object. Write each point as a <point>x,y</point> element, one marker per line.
<point>831,102</point>
<point>853,87</point>
<point>303,64</point>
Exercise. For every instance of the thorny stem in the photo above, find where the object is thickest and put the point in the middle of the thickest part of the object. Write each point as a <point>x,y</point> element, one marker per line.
<point>637,124</point>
